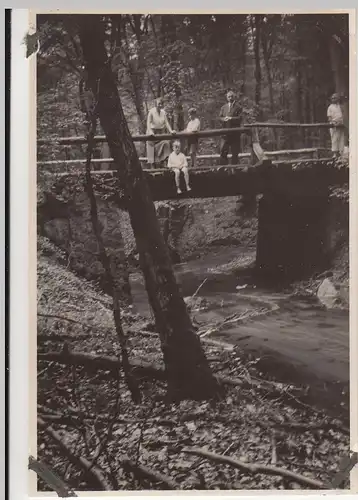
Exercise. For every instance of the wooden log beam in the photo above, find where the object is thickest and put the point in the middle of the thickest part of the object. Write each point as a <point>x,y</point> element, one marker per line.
<point>292,178</point>
<point>246,128</point>
<point>282,152</point>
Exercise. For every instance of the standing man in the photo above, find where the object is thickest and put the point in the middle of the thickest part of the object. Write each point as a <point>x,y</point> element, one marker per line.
<point>230,117</point>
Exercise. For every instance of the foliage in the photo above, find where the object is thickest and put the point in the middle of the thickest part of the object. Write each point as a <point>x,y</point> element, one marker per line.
<point>193,59</point>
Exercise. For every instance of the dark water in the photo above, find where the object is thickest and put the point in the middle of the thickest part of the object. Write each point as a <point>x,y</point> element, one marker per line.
<point>296,339</point>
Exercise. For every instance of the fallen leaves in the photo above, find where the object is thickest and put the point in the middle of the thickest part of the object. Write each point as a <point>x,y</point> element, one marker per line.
<point>238,427</point>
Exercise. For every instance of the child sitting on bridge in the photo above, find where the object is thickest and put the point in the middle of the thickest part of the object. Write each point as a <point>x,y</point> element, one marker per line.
<point>193,126</point>
<point>178,162</point>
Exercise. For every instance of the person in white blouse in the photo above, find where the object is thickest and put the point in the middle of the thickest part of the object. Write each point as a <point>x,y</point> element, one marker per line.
<point>157,123</point>
<point>193,142</point>
<point>335,117</point>
<point>177,161</point>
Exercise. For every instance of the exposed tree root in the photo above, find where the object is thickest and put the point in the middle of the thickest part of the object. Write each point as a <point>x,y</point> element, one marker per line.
<point>257,468</point>
<point>142,472</point>
<point>93,472</point>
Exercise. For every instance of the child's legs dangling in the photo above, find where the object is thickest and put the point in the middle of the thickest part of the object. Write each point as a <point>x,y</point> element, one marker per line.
<point>177,178</point>
<point>186,177</point>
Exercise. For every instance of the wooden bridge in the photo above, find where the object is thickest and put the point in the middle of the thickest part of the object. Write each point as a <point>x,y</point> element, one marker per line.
<point>292,236</point>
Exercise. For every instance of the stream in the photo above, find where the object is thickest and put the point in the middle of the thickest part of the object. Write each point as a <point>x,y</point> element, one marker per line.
<point>296,339</point>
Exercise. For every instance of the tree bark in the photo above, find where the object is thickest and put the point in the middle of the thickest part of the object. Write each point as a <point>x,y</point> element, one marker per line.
<point>169,37</point>
<point>243,58</point>
<point>258,75</point>
<point>136,71</point>
<point>188,372</point>
<point>268,72</point>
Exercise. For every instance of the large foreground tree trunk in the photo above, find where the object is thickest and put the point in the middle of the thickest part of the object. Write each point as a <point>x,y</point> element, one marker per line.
<point>188,372</point>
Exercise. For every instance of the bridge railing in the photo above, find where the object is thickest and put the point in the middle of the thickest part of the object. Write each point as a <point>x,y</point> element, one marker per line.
<point>249,129</point>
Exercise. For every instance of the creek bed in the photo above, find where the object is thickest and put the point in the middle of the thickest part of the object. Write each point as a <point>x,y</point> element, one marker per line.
<point>295,339</point>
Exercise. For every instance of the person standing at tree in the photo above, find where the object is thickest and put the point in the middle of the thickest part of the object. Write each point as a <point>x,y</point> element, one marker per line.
<point>157,123</point>
<point>193,126</point>
<point>230,117</point>
<point>177,161</point>
<point>335,117</point>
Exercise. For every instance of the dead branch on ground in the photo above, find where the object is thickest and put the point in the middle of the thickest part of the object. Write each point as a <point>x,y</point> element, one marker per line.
<point>106,363</point>
<point>257,468</point>
<point>95,473</point>
<point>142,472</point>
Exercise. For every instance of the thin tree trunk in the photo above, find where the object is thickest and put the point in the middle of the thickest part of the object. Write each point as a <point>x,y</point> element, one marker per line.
<point>160,72</point>
<point>243,58</point>
<point>168,37</point>
<point>107,264</point>
<point>136,77</point>
<point>269,75</point>
<point>258,75</point>
<point>188,372</point>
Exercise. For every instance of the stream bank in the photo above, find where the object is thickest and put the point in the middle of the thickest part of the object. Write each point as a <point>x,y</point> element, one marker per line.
<point>214,241</point>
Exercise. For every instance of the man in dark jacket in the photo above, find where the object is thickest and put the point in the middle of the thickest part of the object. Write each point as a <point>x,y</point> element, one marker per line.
<point>230,117</point>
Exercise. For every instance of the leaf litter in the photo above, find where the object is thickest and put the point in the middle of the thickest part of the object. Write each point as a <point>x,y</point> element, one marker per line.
<point>79,404</point>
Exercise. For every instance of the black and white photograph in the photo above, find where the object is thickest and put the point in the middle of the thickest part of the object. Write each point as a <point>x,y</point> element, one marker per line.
<point>193,251</point>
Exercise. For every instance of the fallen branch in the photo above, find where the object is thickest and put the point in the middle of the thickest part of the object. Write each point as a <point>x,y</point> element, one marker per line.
<point>51,479</point>
<point>199,288</point>
<point>63,318</point>
<point>59,338</point>
<point>106,363</point>
<point>95,473</point>
<point>142,472</point>
<point>157,372</point>
<point>300,426</point>
<point>139,368</point>
<point>74,420</point>
<point>257,468</point>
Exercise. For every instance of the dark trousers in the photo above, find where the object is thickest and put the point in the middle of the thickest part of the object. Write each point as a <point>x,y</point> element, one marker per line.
<point>228,143</point>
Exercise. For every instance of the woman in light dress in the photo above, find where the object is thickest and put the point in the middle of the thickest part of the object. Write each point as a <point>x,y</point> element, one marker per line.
<point>157,123</point>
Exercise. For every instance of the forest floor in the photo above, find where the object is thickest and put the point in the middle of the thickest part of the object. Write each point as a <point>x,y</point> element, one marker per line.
<point>94,437</point>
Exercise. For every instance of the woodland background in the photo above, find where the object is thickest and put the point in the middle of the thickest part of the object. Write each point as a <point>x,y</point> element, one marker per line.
<point>283,67</point>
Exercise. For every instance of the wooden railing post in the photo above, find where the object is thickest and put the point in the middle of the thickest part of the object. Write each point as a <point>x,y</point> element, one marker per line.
<point>257,153</point>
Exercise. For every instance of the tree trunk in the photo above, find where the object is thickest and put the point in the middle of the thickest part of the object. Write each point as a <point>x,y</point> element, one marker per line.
<point>168,38</point>
<point>243,58</point>
<point>136,75</point>
<point>269,75</point>
<point>258,75</point>
<point>188,372</point>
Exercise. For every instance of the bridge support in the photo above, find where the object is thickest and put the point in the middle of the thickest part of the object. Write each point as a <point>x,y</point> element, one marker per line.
<point>293,239</point>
